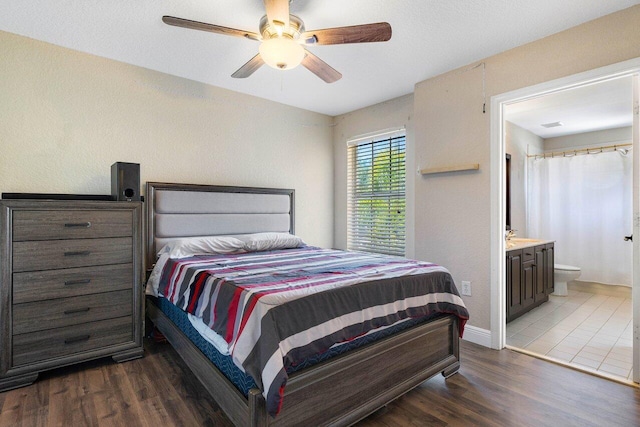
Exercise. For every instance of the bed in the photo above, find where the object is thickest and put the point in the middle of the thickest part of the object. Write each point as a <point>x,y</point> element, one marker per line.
<point>336,390</point>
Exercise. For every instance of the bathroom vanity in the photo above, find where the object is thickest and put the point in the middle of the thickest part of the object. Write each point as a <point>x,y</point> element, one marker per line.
<point>530,275</point>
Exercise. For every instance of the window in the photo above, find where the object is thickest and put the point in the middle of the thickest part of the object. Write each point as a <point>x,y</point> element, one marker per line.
<point>376,194</point>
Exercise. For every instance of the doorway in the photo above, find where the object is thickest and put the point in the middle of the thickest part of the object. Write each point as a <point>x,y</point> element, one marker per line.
<point>501,106</point>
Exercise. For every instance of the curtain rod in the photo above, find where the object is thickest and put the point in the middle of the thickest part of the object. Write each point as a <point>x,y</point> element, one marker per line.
<point>571,153</point>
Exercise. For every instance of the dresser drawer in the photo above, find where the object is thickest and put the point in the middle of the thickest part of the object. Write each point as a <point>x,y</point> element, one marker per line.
<point>71,224</point>
<point>58,254</point>
<point>44,285</point>
<point>42,315</point>
<point>44,345</point>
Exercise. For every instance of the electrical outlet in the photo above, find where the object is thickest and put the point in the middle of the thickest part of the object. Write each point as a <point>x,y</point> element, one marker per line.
<point>466,288</point>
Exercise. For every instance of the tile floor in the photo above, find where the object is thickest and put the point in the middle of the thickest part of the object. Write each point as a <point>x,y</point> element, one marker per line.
<point>590,331</point>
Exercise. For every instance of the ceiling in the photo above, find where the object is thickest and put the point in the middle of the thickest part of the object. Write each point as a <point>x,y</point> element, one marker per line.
<point>598,106</point>
<point>430,37</point>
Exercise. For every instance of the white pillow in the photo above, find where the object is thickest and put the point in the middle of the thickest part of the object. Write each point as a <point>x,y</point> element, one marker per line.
<point>270,241</point>
<point>218,245</point>
<point>202,245</point>
<point>153,283</point>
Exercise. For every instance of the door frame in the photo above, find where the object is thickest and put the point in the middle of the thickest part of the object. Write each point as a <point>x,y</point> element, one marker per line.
<point>497,154</point>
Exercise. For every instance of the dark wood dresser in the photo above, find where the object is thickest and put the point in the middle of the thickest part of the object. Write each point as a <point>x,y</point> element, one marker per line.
<point>70,285</point>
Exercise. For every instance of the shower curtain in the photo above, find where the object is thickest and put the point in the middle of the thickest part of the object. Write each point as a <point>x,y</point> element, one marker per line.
<point>584,203</point>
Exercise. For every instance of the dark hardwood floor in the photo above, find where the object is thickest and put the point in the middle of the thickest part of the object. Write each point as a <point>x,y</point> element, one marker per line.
<point>493,388</point>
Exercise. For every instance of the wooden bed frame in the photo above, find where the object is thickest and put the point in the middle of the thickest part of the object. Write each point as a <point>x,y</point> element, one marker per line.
<point>339,391</point>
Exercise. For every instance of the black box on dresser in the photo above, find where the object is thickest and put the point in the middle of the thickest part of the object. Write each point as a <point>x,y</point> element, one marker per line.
<point>70,285</point>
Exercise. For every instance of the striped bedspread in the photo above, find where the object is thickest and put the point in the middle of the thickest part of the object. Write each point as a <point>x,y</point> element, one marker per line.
<point>276,308</point>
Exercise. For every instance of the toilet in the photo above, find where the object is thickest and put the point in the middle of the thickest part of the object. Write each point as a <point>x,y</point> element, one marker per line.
<point>562,275</point>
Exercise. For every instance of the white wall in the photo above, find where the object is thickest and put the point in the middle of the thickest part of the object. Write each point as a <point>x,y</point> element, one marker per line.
<point>395,113</point>
<point>519,143</point>
<point>66,116</point>
<point>622,135</point>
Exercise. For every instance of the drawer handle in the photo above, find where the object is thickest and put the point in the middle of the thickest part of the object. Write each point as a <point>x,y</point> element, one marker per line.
<point>78,310</point>
<point>78,224</point>
<point>77,253</point>
<point>77,339</point>
<point>77,282</point>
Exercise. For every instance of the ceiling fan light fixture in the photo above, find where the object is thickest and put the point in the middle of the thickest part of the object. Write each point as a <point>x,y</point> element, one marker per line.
<point>283,38</point>
<point>281,53</point>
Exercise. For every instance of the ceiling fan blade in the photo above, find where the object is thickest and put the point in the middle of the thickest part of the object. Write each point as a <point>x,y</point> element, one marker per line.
<point>320,68</point>
<point>278,12</point>
<point>203,26</point>
<point>378,32</point>
<point>249,68</point>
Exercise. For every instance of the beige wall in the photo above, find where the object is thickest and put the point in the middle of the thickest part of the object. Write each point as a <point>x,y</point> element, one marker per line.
<point>65,117</point>
<point>386,115</point>
<point>453,210</point>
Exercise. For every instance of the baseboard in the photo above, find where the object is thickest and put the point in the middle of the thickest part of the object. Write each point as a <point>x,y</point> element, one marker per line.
<point>621,291</point>
<point>477,335</point>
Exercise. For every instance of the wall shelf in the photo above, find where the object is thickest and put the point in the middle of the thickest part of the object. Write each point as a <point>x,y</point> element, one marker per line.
<point>452,168</point>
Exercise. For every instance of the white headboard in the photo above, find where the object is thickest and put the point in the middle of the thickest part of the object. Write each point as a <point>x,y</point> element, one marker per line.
<point>176,211</point>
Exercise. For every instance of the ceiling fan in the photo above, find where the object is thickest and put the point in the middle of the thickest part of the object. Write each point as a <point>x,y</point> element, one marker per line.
<point>283,37</point>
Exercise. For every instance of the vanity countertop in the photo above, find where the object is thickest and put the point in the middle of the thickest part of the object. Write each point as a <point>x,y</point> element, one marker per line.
<point>520,243</point>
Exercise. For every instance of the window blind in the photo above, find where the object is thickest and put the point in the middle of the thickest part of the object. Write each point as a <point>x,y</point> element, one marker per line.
<point>376,195</point>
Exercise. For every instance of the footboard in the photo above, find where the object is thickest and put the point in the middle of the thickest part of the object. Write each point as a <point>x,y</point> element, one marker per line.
<point>339,391</point>
<point>347,388</point>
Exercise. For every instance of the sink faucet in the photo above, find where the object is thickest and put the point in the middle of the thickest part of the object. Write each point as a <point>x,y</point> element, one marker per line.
<point>509,234</point>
